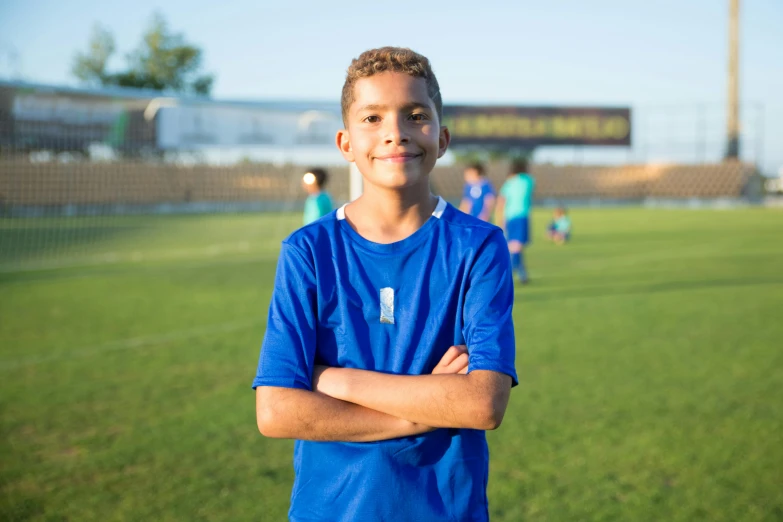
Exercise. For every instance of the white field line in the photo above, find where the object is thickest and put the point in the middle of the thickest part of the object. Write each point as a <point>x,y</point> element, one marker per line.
<point>131,343</point>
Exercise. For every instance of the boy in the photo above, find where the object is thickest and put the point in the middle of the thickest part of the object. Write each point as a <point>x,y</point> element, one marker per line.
<point>478,197</point>
<point>560,228</point>
<point>364,359</point>
<point>514,203</point>
<point>318,203</point>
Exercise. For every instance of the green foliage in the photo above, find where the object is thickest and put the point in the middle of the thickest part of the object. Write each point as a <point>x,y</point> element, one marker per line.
<point>90,67</point>
<point>651,375</point>
<point>164,61</point>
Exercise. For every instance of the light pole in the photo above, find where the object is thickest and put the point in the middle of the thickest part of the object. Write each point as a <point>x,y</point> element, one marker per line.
<point>733,127</point>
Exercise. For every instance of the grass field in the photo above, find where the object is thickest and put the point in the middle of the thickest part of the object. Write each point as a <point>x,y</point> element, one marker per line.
<point>650,355</point>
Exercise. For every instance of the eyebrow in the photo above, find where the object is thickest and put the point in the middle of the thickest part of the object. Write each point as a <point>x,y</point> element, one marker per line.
<point>407,106</point>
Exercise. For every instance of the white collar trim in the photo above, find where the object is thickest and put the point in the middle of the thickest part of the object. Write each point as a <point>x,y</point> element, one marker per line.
<point>438,212</point>
<point>440,208</point>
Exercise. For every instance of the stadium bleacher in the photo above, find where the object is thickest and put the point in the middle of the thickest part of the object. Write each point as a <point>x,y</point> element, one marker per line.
<point>52,185</point>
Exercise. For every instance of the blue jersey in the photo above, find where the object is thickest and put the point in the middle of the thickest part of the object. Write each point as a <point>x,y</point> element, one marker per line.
<point>341,300</point>
<point>477,193</point>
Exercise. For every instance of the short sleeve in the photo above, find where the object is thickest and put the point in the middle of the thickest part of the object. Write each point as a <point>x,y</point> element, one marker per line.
<point>310,211</point>
<point>466,191</point>
<point>325,204</point>
<point>488,323</point>
<point>489,190</point>
<point>288,351</point>
<point>504,190</point>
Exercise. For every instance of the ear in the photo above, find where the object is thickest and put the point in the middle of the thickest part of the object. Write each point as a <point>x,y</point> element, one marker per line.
<point>443,140</point>
<point>343,140</point>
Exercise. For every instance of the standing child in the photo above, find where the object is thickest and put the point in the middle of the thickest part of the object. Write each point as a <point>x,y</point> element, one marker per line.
<point>478,196</point>
<point>514,204</point>
<point>389,347</point>
<point>318,203</point>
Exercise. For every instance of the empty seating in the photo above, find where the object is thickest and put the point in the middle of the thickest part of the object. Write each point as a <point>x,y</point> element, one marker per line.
<point>82,183</point>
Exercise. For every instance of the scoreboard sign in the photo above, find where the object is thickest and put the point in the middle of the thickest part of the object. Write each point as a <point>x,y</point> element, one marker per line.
<point>534,126</point>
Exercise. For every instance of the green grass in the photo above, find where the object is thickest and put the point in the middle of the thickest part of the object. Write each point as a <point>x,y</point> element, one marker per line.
<point>649,355</point>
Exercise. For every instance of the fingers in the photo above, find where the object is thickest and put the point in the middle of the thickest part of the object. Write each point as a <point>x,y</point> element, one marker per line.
<point>452,353</point>
<point>459,364</point>
<point>453,360</point>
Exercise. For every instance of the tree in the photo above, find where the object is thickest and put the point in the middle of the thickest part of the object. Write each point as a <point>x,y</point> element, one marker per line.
<point>164,61</point>
<point>91,67</point>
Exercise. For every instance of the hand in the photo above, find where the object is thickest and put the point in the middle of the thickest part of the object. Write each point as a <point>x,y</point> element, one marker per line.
<point>455,360</point>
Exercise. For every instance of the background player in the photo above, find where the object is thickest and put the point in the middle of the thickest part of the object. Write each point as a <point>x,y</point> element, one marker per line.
<point>318,202</point>
<point>559,229</point>
<point>478,196</point>
<point>514,204</point>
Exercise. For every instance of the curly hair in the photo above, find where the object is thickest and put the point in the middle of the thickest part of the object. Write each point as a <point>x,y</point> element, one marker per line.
<point>394,59</point>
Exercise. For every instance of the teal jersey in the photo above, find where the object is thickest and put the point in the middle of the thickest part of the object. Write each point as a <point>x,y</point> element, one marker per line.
<point>563,225</point>
<point>317,206</point>
<point>518,192</point>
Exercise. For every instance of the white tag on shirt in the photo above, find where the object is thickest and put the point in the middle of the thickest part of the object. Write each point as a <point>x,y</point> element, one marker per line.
<point>387,305</point>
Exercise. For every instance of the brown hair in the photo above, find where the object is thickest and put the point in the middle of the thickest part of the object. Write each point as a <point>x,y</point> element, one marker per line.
<point>518,166</point>
<point>478,167</point>
<point>394,59</point>
<point>320,176</point>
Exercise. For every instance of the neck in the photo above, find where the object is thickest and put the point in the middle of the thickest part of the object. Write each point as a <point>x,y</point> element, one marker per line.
<point>386,215</point>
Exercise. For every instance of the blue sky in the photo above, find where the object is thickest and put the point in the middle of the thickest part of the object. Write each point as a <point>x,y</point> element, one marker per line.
<point>669,54</point>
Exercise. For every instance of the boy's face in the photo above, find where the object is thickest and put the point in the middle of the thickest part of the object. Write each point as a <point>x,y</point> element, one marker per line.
<point>393,133</point>
<point>471,176</point>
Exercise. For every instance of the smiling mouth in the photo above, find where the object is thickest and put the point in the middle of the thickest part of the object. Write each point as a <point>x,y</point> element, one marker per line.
<point>398,158</point>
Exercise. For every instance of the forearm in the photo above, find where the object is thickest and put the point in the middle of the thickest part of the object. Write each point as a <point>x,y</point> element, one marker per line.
<point>489,206</point>
<point>289,413</point>
<point>486,214</point>
<point>500,218</point>
<point>476,401</point>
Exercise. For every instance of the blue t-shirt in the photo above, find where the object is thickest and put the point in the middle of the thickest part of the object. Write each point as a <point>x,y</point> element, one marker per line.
<point>341,300</point>
<point>476,193</point>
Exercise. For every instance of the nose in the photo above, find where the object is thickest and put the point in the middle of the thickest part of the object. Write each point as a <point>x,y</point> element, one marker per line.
<point>395,132</point>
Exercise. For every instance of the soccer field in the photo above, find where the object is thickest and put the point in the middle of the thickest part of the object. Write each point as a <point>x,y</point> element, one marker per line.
<point>649,356</point>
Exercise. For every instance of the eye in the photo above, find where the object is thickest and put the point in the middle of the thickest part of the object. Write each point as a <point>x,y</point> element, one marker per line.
<point>372,119</point>
<point>418,116</point>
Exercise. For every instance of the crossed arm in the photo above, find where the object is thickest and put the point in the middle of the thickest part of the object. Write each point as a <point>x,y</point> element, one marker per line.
<point>360,405</point>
